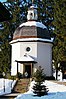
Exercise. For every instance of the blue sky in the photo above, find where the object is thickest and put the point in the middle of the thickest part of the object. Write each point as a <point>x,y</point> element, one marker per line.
<point>2,0</point>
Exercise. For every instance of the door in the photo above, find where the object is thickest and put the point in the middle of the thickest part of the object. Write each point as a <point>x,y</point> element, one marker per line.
<point>28,70</point>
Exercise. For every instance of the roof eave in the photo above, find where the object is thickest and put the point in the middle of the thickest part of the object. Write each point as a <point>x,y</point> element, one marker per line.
<point>32,40</point>
<point>25,61</point>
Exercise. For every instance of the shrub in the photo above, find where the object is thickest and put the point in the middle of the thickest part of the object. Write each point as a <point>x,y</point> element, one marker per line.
<point>39,88</point>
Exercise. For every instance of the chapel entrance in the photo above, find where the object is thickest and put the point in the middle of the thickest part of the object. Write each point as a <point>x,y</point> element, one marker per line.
<point>28,70</point>
<point>28,67</point>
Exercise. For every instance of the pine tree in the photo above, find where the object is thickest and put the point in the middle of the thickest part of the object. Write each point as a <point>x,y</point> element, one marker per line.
<point>6,33</point>
<point>39,88</point>
<point>45,12</point>
<point>59,48</point>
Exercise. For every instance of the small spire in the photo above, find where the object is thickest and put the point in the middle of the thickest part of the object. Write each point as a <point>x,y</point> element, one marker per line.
<point>32,12</point>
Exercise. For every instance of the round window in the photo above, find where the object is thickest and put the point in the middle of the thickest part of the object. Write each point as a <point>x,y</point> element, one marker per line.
<point>28,49</point>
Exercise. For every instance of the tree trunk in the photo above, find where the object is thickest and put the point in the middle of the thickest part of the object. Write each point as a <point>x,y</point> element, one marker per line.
<point>56,74</point>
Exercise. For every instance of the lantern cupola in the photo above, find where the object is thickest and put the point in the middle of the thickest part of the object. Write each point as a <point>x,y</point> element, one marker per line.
<point>32,13</point>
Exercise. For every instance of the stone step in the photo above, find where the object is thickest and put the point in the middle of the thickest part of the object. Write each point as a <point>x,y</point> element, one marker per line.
<point>22,85</point>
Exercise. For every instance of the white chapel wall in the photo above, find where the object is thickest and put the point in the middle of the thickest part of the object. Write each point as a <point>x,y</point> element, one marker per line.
<point>41,52</point>
<point>44,57</point>
<point>15,56</point>
<point>32,52</point>
<point>19,50</point>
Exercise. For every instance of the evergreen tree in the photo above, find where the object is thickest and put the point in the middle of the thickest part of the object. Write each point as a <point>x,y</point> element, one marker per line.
<point>45,12</point>
<point>5,49</point>
<point>59,48</point>
<point>39,88</point>
<point>6,34</point>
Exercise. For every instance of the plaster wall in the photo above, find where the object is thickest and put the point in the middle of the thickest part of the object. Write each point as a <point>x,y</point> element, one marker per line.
<point>33,49</point>
<point>19,50</point>
<point>44,57</point>
<point>40,51</point>
<point>15,55</point>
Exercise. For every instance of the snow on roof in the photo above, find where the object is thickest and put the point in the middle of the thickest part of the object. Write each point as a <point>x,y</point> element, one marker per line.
<point>32,39</point>
<point>33,23</point>
<point>25,58</point>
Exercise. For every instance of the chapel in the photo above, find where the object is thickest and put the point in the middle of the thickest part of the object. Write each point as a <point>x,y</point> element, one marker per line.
<point>31,46</point>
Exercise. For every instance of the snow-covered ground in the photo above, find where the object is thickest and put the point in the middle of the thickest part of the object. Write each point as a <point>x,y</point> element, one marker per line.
<point>6,86</point>
<point>56,91</point>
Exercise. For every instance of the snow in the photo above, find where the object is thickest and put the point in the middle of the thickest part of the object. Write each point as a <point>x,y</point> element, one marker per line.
<point>33,23</point>
<point>32,39</point>
<point>56,91</point>
<point>6,86</point>
<point>25,58</point>
<point>49,96</point>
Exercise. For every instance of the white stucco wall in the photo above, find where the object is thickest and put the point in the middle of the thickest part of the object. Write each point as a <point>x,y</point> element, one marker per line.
<point>20,69</point>
<point>44,57</point>
<point>40,51</point>
<point>15,55</point>
<point>32,52</point>
<point>19,50</point>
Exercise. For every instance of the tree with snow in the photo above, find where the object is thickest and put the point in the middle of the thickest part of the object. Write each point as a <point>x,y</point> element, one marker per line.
<point>39,88</point>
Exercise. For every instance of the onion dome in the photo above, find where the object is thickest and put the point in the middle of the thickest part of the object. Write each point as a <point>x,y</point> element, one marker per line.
<point>32,28</point>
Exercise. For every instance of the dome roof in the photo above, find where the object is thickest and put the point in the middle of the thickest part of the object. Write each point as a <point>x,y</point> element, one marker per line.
<point>33,23</point>
<point>31,29</point>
